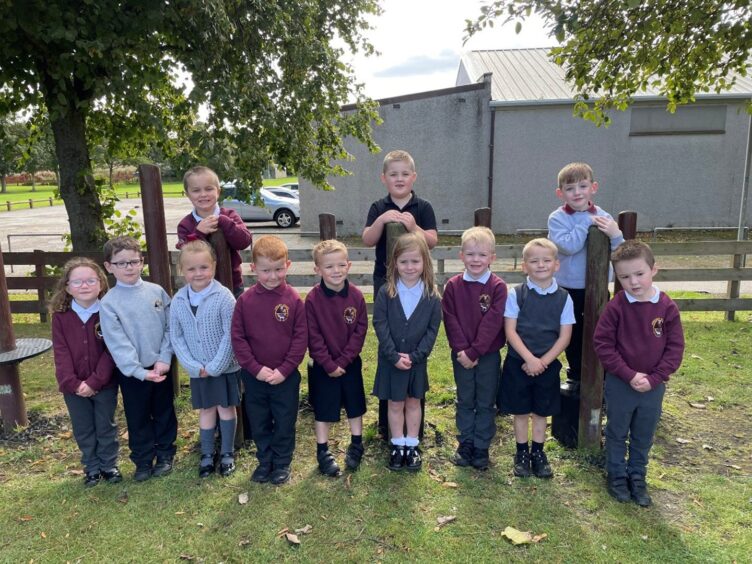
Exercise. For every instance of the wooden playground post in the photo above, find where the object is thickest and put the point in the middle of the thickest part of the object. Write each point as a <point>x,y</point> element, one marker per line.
<point>155,229</point>
<point>482,217</point>
<point>628,225</point>
<point>591,381</point>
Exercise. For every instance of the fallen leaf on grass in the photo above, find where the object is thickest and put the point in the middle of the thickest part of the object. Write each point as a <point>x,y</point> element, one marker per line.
<point>348,481</point>
<point>186,557</point>
<point>65,436</point>
<point>444,520</point>
<point>697,405</point>
<point>123,497</point>
<point>709,398</point>
<point>282,532</point>
<point>683,441</point>
<point>292,539</point>
<point>243,498</point>
<point>517,537</point>
<point>244,542</point>
<point>452,485</point>
<point>25,518</point>
<point>696,356</point>
<point>697,501</point>
<point>43,535</point>
<point>707,447</point>
<point>304,531</point>
<point>76,472</point>
<point>734,466</point>
<point>180,513</point>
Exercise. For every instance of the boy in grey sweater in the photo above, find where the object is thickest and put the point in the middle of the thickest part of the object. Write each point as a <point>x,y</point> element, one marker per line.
<point>134,318</point>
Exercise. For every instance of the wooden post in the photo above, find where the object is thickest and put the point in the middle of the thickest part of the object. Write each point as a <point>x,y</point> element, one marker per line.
<point>156,238</point>
<point>12,404</point>
<point>223,274</point>
<point>628,225</point>
<point>591,381</point>
<point>31,204</point>
<point>733,286</point>
<point>327,226</point>
<point>483,217</point>
<point>39,275</point>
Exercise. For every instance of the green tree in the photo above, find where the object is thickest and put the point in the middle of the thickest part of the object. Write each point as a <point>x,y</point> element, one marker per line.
<point>615,49</point>
<point>38,148</point>
<point>268,74</point>
<point>10,153</point>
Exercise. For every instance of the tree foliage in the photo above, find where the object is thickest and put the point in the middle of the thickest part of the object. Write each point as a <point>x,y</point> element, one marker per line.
<point>268,76</point>
<point>612,50</point>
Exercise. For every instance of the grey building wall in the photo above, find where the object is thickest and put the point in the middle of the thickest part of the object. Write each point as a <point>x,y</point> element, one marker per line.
<point>686,180</point>
<point>446,132</point>
<point>678,180</point>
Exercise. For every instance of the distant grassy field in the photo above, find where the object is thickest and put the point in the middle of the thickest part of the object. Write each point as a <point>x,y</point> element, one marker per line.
<point>20,195</point>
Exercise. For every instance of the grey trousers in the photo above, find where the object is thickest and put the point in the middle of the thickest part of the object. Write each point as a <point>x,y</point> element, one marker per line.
<point>476,399</point>
<point>631,415</point>
<point>93,421</point>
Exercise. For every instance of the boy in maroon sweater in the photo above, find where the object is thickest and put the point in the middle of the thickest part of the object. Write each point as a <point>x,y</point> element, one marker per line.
<point>473,307</point>
<point>337,326</point>
<point>201,185</point>
<point>640,342</point>
<point>269,337</point>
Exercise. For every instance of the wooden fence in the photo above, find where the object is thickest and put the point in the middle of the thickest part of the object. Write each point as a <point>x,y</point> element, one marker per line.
<point>445,261</point>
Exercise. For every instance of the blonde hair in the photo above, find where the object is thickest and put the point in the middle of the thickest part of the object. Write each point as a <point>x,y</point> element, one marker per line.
<point>479,235</point>
<point>399,155</point>
<point>405,243</point>
<point>60,301</point>
<point>327,247</point>
<point>270,248</point>
<point>633,249</point>
<point>574,172</point>
<point>541,242</point>
<point>196,247</point>
<point>195,171</point>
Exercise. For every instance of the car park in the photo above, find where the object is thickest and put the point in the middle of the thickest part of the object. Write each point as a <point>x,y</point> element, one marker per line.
<point>272,203</point>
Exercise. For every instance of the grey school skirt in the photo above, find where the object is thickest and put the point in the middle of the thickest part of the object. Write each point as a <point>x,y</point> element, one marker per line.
<point>223,390</point>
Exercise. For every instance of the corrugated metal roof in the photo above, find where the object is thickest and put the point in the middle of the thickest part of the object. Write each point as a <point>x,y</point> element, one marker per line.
<point>529,75</point>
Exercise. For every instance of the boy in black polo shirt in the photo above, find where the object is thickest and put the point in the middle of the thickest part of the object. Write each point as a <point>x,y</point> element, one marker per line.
<point>401,205</point>
<point>337,326</point>
<point>538,320</point>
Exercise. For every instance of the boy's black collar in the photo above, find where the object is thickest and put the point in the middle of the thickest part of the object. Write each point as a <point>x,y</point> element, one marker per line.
<point>388,200</point>
<point>329,293</point>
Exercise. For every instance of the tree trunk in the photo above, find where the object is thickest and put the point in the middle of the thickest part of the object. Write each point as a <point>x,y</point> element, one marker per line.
<point>111,165</point>
<point>3,184</point>
<point>33,182</point>
<point>76,183</point>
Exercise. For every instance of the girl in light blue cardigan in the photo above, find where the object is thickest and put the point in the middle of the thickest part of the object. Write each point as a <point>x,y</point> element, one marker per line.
<point>200,319</point>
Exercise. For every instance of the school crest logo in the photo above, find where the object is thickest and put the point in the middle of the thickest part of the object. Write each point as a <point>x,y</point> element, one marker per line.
<point>350,315</point>
<point>281,312</point>
<point>485,302</point>
<point>657,324</point>
<point>98,331</point>
<point>158,305</point>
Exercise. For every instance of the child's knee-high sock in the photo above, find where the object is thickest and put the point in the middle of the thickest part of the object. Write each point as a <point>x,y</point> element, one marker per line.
<point>227,426</point>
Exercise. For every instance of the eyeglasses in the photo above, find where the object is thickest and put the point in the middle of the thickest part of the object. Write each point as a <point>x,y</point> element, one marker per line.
<point>126,263</point>
<point>78,283</point>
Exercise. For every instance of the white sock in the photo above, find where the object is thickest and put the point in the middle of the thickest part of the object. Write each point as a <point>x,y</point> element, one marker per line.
<point>398,441</point>
<point>411,441</point>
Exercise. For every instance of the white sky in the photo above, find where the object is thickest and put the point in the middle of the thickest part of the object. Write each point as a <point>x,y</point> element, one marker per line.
<point>420,45</point>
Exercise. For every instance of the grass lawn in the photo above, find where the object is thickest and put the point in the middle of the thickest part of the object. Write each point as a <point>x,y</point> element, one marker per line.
<point>701,488</point>
<point>43,192</point>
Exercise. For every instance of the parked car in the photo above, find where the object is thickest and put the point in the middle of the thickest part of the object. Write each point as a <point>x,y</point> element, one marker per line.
<point>291,185</point>
<point>280,205</point>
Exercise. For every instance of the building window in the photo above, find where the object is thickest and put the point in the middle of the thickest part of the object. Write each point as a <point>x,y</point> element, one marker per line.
<point>687,120</point>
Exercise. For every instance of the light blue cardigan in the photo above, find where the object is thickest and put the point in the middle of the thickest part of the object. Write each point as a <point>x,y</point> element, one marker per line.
<point>203,340</point>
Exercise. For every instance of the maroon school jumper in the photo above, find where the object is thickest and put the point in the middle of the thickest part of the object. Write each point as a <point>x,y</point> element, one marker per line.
<point>337,327</point>
<point>640,337</point>
<point>80,353</point>
<point>269,329</point>
<point>474,315</point>
<point>236,234</point>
